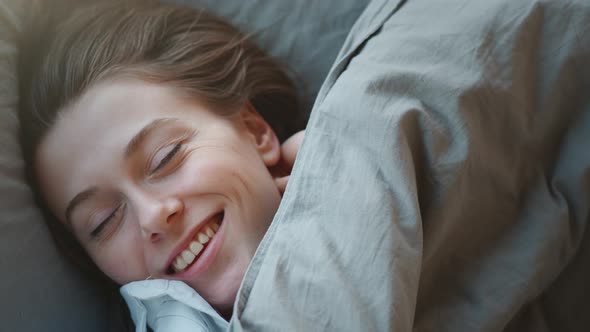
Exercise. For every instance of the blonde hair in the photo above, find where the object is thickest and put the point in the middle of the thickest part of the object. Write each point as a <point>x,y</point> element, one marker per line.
<point>174,45</point>
<point>180,46</point>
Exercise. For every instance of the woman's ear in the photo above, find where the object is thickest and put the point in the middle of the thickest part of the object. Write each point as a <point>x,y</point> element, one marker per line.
<point>263,136</point>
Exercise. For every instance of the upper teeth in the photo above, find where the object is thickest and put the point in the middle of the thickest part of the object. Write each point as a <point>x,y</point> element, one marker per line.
<point>188,255</point>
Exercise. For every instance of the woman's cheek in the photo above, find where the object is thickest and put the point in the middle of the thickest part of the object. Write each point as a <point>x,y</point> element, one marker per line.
<point>122,259</point>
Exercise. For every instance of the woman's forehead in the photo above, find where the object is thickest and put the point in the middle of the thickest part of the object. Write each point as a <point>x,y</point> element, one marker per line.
<point>120,99</point>
<point>110,113</point>
<point>90,137</point>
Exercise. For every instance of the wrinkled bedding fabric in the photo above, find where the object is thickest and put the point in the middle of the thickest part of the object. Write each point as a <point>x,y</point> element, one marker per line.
<point>444,180</point>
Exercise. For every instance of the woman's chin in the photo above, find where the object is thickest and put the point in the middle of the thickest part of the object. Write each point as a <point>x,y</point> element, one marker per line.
<point>221,295</point>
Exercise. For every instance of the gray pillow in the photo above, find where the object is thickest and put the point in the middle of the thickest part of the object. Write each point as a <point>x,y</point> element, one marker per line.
<point>40,290</point>
<point>305,35</point>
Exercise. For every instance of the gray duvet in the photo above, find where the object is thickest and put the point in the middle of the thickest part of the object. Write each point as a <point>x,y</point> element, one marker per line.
<point>444,180</point>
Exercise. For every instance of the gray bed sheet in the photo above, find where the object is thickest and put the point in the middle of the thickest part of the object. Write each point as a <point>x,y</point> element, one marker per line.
<point>444,180</point>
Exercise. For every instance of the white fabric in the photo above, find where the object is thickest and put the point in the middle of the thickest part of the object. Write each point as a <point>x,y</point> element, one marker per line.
<point>170,306</point>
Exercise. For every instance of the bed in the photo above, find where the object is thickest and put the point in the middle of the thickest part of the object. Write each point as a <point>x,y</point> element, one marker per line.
<point>443,183</point>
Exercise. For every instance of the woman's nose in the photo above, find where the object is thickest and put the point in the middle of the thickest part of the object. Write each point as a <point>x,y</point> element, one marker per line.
<point>158,215</point>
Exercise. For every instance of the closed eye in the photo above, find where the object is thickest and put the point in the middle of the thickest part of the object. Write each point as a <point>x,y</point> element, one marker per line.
<point>164,161</point>
<point>111,217</point>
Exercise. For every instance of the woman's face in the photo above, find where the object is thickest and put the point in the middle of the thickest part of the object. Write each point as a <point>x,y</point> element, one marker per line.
<point>154,183</point>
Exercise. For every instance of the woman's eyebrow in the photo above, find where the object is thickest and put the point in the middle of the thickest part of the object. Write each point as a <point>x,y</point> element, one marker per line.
<point>144,133</point>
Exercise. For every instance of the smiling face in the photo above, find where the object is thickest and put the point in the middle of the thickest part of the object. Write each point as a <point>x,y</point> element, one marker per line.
<point>152,182</point>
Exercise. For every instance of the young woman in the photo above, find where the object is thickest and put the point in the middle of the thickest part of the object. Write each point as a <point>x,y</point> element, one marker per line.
<point>152,134</point>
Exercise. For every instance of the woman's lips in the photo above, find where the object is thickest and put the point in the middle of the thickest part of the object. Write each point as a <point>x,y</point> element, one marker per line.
<point>198,244</point>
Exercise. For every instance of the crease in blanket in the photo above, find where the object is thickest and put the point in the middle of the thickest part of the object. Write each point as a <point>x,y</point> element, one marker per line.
<point>502,243</point>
